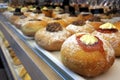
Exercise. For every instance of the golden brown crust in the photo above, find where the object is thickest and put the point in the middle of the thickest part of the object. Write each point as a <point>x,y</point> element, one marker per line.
<point>88,64</point>
<point>117,24</point>
<point>96,25</point>
<point>84,16</point>
<point>31,27</point>
<point>112,38</point>
<point>51,40</point>
<point>14,18</point>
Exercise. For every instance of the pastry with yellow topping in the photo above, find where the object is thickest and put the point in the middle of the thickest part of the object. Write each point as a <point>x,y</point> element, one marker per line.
<point>87,55</point>
<point>109,32</point>
<point>47,12</point>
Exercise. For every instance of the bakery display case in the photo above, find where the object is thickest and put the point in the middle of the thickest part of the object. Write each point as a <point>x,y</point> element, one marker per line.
<point>38,65</point>
<point>35,39</point>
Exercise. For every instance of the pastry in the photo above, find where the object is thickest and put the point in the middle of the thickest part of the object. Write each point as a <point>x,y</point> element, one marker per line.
<point>60,20</point>
<point>47,12</point>
<point>22,19</point>
<point>13,18</point>
<point>109,32</point>
<point>85,16</point>
<point>79,26</point>
<point>117,24</point>
<point>27,77</point>
<point>51,37</point>
<point>16,61</point>
<point>70,19</point>
<point>32,26</point>
<point>95,22</point>
<point>87,55</point>
<point>22,72</point>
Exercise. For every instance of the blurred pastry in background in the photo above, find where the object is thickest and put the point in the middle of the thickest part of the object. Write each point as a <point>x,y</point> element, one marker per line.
<point>32,26</point>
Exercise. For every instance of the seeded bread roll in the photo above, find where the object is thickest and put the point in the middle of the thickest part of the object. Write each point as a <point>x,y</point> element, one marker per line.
<point>51,37</point>
<point>87,55</point>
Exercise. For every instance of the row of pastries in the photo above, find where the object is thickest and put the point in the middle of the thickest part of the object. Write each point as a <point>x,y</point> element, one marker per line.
<point>19,68</point>
<point>88,45</point>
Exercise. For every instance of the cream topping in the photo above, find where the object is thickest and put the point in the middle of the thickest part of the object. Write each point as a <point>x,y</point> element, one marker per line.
<point>107,26</point>
<point>44,8</point>
<point>88,39</point>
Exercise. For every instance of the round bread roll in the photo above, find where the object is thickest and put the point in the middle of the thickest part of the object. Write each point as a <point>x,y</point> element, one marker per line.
<point>95,22</point>
<point>32,26</point>
<point>109,32</point>
<point>60,20</point>
<point>70,19</point>
<point>87,55</point>
<point>18,23</point>
<point>47,12</point>
<point>84,16</point>
<point>79,26</point>
<point>13,18</point>
<point>51,37</point>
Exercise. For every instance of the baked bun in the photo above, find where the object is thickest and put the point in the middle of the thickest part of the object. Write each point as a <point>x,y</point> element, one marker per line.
<point>60,20</point>
<point>51,37</point>
<point>70,19</point>
<point>32,26</point>
<point>87,55</point>
<point>109,32</point>
<point>117,24</point>
<point>84,16</point>
<point>13,18</point>
<point>95,22</point>
<point>47,12</point>
<point>22,19</point>
<point>79,26</point>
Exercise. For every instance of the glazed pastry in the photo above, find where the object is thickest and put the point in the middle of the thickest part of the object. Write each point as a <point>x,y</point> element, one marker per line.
<point>109,32</point>
<point>32,26</point>
<point>87,55</point>
<point>79,26</point>
<point>51,37</point>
